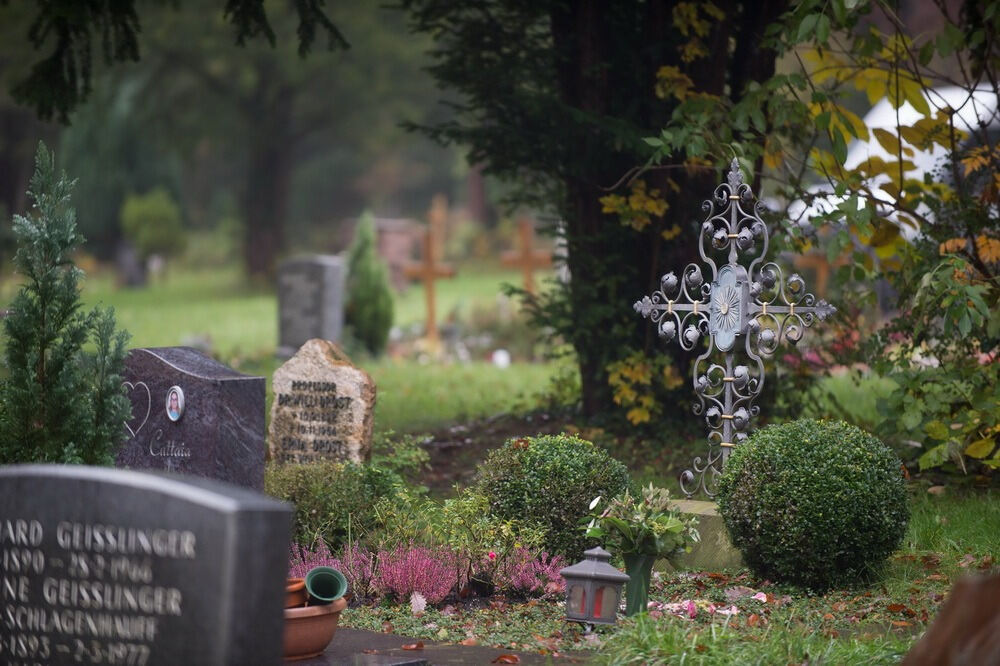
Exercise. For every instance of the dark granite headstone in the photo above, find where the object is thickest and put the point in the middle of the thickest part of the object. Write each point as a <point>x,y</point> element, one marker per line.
<point>107,566</point>
<point>219,429</point>
<point>310,301</point>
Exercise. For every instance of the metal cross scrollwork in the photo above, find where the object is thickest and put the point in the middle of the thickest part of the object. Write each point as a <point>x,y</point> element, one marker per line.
<point>752,302</point>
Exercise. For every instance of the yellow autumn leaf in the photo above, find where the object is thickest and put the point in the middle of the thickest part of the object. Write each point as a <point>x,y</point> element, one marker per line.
<point>988,249</point>
<point>980,448</point>
<point>952,245</point>
<point>637,415</point>
<point>887,140</point>
<point>671,233</point>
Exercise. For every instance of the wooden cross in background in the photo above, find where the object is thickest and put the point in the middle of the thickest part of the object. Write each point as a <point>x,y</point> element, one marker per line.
<point>437,217</point>
<point>527,258</point>
<point>427,271</point>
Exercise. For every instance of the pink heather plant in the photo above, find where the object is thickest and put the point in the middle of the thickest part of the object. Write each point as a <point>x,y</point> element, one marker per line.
<point>409,569</point>
<point>525,574</point>
<point>301,559</point>
<point>356,563</point>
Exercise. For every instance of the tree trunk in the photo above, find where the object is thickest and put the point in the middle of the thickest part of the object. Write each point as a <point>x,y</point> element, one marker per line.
<point>268,179</point>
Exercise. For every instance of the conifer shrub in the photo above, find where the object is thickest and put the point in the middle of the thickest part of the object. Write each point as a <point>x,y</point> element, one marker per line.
<point>550,481</point>
<point>368,312</point>
<point>59,403</point>
<point>814,503</point>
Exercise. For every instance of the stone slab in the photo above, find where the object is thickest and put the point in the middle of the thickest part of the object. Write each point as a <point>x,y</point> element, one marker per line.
<point>219,432</point>
<point>110,566</point>
<point>714,551</point>
<point>349,645</point>
<point>323,407</point>
<point>310,301</point>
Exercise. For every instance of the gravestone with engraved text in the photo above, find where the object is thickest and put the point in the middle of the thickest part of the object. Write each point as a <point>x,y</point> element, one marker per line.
<point>215,428</point>
<point>323,407</point>
<point>106,566</point>
<point>310,301</point>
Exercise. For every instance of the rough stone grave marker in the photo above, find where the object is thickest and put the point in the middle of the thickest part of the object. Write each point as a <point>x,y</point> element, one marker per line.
<point>106,566</point>
<point>310,301</point>
<point>194,415</point>
<point>323,407</point>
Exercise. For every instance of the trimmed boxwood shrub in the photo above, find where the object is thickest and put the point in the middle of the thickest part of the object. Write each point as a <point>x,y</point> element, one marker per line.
<point>330,496</point>
<point>550,481</point>
<point>814,503</point>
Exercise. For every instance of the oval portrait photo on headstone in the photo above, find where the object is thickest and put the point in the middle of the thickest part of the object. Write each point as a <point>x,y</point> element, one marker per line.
<point>175,403</point>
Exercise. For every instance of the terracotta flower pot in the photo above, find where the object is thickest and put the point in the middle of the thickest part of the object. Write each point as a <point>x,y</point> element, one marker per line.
<point>308,630</point>
<point>295,592</point>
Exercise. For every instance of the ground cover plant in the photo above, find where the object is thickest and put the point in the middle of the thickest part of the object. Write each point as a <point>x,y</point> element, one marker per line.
<point>732,617</point>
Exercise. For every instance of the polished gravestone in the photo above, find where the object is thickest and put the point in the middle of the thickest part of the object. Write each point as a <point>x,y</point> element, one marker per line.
<point>106,566</point>
<point>194,415</point>
<point>310,301</point>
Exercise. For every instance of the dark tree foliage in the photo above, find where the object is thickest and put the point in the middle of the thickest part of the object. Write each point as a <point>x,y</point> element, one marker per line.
<point>557,96</point>
<point>61,80</point>
<point>58,403</point>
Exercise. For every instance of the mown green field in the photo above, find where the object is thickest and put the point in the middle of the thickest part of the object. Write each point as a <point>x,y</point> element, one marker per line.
<point>239,322</point>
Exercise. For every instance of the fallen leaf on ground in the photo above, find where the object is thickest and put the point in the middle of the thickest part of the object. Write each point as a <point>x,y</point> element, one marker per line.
<point>840,606</point>
<point>419,645</point>
<point>753,620</point>
<point>900,623</point>
<point>387,627</point>
<point>895,608</point>
<point>966,561</point>
<point>469,641</point>
<point>507,659</point>
<point>367,651</point>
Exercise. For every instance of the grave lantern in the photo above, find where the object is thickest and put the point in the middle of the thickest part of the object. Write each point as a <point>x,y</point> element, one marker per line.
<point>593,588</point>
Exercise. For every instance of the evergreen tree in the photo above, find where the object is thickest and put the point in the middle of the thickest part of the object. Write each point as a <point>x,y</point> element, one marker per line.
<point>369,301</point>
<point>59,404</point>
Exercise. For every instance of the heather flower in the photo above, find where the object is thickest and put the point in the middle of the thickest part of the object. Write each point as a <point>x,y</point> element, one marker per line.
<point>525,574</point>
<point>356,563</point>
<point>408,569</point>
<point>301,559</point>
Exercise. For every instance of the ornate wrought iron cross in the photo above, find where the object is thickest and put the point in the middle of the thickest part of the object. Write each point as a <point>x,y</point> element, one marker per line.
<point>754,303</point>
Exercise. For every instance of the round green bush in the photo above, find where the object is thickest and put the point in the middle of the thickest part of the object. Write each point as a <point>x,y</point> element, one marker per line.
<point>550,481</point>
<point>814,503</point>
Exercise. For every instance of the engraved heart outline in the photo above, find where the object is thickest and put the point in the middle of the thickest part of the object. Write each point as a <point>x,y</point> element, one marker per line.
<point>149,405</point>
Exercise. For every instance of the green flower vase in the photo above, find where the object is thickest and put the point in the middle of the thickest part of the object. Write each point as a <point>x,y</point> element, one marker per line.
<point>639,569</point>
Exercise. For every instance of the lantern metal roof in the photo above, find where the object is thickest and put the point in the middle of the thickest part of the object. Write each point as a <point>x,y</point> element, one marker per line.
<point>595,567</point>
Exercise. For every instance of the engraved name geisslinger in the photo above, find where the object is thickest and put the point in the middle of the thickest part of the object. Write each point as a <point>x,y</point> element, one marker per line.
<point>98,601</point>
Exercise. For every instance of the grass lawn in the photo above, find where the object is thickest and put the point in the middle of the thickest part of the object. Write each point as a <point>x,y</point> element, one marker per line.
<point>240,322</point>
<point>728,617</point>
